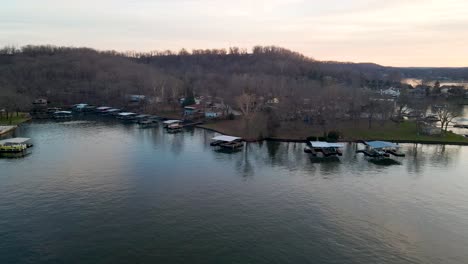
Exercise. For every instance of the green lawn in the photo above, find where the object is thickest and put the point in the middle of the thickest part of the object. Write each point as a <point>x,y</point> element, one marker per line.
<point>403,132</point>
<point>14,120</point>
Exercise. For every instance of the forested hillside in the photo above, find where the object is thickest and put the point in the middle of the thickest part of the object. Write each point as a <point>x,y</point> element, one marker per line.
<point>70,75</point>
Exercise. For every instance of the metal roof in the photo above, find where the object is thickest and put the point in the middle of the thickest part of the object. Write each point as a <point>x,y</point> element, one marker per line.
<point>103,108</point>
<point>14,141</point>
<point>168,122</point>
<point>126,114</point>
<point>381,144</point>
<point>226,138</point>
<point>323,144</point>
<point>63,112</point>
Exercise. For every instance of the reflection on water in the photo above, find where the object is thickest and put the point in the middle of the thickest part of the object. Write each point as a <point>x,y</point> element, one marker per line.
<point>101,191</point>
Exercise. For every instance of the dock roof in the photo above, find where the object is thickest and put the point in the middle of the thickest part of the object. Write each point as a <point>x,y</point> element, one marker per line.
<point>381,144</point>
<point>126,114</point>
<point>14,141</point>
<point>226,138</point>
<point>103,108</point>
<point>168,122</point>
<point>323,144</point>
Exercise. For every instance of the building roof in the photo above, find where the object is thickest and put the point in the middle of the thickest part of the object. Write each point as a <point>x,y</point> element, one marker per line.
<point>103,108</point>
<point>14,141</point>
<point>323,144</point>
<point>63,112</point>
<point>168,122</point>
<point>194,107</point>
<point>226,138</point>
<point>126,114</point>
<point>381,144</point>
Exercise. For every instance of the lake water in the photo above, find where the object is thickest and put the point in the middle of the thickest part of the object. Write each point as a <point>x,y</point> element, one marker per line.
<point>105,192</point>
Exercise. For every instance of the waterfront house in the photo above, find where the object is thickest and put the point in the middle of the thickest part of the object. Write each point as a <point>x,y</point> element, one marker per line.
<point>194,111</point>
<point>40,102</point>
<point>419,92</point>
<point>136,98</point>
<point>393,92</point>
<point>80,107</point>
<point>213,113</point>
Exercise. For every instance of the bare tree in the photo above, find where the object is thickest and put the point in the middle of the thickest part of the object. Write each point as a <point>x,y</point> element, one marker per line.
<point>446,115</point>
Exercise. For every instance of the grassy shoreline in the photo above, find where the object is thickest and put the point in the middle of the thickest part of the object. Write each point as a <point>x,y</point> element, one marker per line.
<point>15,119</point>
<point>402,133</point>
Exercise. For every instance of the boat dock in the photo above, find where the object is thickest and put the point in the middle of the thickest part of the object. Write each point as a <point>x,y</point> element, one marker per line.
<point>15,145</point>
<point>380,149</point>
<point>227,142</point>
<point>324,149</point>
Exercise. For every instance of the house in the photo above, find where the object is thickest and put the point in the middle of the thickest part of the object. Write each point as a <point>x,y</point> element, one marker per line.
<point>136,98</point>
<point>419,92</point>
<point>194,110</point>
<point>393,92</point>
<point>273,100</point>
<point>80,107</point>
<point>40,102</point>
<point>214,113</point>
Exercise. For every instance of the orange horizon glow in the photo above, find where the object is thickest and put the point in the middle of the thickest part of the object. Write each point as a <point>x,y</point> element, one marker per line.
<point>411,33</point>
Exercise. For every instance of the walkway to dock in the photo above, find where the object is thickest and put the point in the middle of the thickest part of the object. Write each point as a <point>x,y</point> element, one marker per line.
<point>6,129</point>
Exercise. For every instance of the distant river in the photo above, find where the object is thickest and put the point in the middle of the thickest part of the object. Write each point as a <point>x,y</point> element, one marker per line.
<point>105,192</point>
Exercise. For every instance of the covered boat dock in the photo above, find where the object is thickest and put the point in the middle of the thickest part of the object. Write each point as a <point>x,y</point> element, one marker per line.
<point>377,149</point>
<point>327,149</point>
<point>227,142</point>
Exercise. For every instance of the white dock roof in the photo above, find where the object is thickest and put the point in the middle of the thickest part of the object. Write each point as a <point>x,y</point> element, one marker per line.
<point>323,144</point>
<point>126,114</point>
<point>226,138</point>
<point>14,141</point>
<point>381,144</point>
<point>168,122</point>
<point>103,108</point>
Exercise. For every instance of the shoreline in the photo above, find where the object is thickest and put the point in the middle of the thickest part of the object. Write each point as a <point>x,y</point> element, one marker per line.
<point>7,129</point>
<point>11,128</point>
<point>345,140</point>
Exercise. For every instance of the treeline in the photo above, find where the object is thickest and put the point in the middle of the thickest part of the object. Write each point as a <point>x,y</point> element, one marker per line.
<point>67,75</point>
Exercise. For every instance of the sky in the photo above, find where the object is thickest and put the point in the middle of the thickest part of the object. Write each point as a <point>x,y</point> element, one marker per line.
<point>387,32</point>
